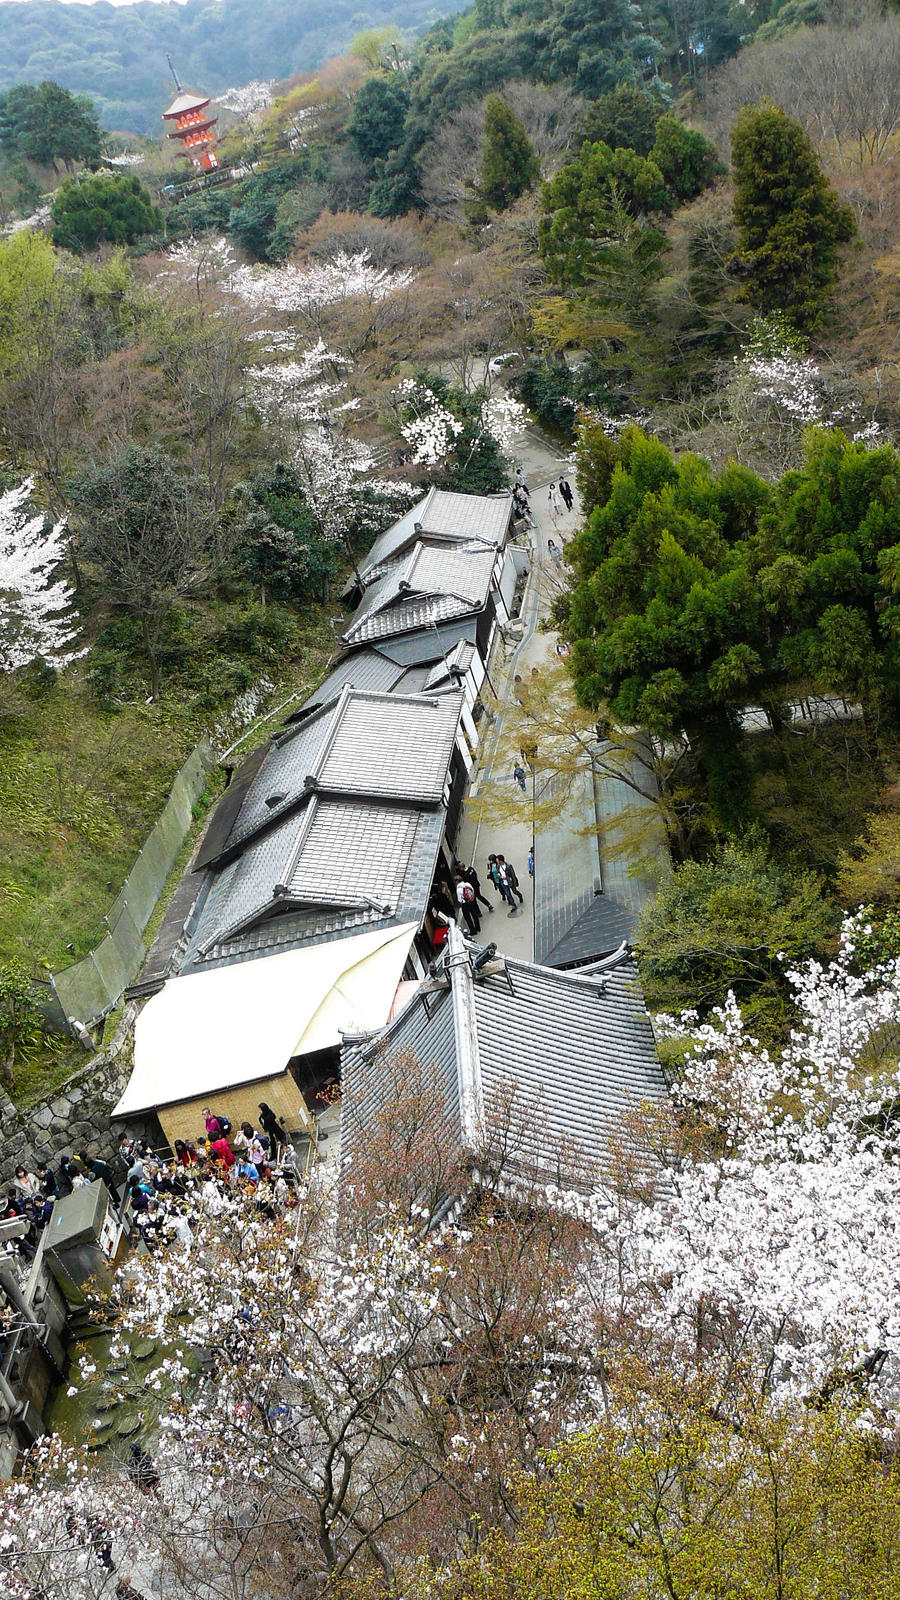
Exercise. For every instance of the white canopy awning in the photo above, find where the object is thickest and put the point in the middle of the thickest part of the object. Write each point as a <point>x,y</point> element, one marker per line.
<point>209,1031</point>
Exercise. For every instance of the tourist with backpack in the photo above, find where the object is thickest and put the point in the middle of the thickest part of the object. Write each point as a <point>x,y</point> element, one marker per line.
<point>217,1126</point>
<point>465,897</point>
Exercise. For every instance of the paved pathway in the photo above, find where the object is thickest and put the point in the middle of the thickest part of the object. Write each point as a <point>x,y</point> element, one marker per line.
<point>477,839</point>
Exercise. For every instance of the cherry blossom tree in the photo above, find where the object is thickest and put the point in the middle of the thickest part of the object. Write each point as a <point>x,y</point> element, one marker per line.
<point>431,429</point>
<point>781,1230</point>
<point>306,405</point>
<point>36,621</point>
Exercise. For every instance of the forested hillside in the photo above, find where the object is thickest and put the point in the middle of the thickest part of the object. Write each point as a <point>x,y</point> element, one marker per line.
<point>117,54</point>
<point>664,240</point>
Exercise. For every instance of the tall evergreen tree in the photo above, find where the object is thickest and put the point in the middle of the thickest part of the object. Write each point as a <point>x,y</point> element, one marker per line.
<point>790,222</point>
<point>509,165</point>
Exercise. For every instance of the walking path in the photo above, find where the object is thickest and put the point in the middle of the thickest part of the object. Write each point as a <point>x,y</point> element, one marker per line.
<point>514,935</point>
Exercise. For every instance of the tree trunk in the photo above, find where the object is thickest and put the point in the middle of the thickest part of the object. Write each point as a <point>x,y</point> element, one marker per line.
<point>151,657</point>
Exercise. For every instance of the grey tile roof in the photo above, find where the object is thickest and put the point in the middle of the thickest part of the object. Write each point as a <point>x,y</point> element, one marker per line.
<point>393,745</point>
<point>363,742</point>
<point>456,661</point>
<point>348,860</point>
<point>443,514</point>
<point>572,922</point>
<point>602,927</point>
<point>575,1052</point>
<point>577,1058</point>
<point>355,835</point>
<point>431,583</point>
<point>431,644</point>
<point>362,669</point>
<point>370,1078</point>
<point>406,618</point>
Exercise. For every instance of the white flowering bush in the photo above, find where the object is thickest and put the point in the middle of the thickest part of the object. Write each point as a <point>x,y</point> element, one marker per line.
<point>36,619</point>
<point>776,391</point>
<point>304,289</point>
<point>431,430</point>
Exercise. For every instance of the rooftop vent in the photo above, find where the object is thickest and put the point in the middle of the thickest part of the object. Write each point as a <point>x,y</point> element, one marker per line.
<point>273,800</point>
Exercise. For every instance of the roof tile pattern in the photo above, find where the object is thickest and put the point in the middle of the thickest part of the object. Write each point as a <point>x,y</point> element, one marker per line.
<point>576,1053</point>
<point>443,514</point>
<point>392,746</point>
<point>351,852</point>
<point>369,1078</point>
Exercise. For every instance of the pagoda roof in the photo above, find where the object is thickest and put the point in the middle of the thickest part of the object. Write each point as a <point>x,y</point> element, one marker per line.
<point>186,102</point>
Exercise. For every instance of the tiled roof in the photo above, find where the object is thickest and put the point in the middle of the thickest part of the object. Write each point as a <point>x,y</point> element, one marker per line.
<point>355,864</point>
<point>443,514</point>
<point>354,833</point>
<point>415,647</point>
<point>576,1052</point>
<point>394,745</point>
<point>455,662</point>
<point>431,583</point>
<point>391,745</point>
<point>406,618</point>
<point>362,669</point>
<point>369,1083</point>
<point>602,927</point>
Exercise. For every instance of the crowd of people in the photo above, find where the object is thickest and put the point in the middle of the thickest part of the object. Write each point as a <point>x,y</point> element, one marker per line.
<point>459,902</point>
<point>163,1187</point>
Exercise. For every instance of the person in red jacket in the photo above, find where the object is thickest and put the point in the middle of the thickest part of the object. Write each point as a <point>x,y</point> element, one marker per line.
<point>220,1150</point>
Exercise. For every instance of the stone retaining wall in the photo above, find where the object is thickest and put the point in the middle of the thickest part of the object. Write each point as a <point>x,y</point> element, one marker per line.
<point>76,1116</point>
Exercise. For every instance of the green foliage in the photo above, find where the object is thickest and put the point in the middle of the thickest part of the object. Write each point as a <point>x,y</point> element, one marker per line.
<point>379,117</point>
<point>107,207</point>
<point>687,160</point>
<point>625,119</point>
<point>120,58</point>
<point>581,206</point>
<point>679,1493</point>
<point>279,547</point>
<point>697,594</point>
<point>509,165</point>
<point>21,1024</point>
<point>790,222</point>
<point>723,924</point>
<point>46,124</point>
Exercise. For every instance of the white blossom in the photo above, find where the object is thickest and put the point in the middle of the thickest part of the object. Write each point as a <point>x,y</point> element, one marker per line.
<point>303,289</point>
<point>36,619</point>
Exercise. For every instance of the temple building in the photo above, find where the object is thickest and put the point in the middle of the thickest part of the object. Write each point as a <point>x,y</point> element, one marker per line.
<point>193,127</point>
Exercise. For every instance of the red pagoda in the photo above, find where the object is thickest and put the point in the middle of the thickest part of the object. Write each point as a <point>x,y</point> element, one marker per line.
<point>193,127</point>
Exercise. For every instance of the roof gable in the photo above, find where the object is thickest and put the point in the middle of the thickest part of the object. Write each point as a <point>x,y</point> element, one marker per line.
<point>577,1051</point>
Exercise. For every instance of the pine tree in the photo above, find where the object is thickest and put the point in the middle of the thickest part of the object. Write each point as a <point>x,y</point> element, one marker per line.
<point>509,165</point>
<point>790,222</point>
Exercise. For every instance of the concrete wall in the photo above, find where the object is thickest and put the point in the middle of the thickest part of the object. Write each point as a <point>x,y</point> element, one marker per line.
<point>75,1117</point>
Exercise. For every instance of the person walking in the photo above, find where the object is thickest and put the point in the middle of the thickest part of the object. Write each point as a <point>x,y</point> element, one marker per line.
<point>519,775</point>
<point>553,501</point>
<point>274,1129</point>
<point>530,861</point>
<point>493,872</point>
<point>565,489</point>
<point>471,876</point>
<point>465,899</point>
<point>509,878</point>
<point>554,552</point>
